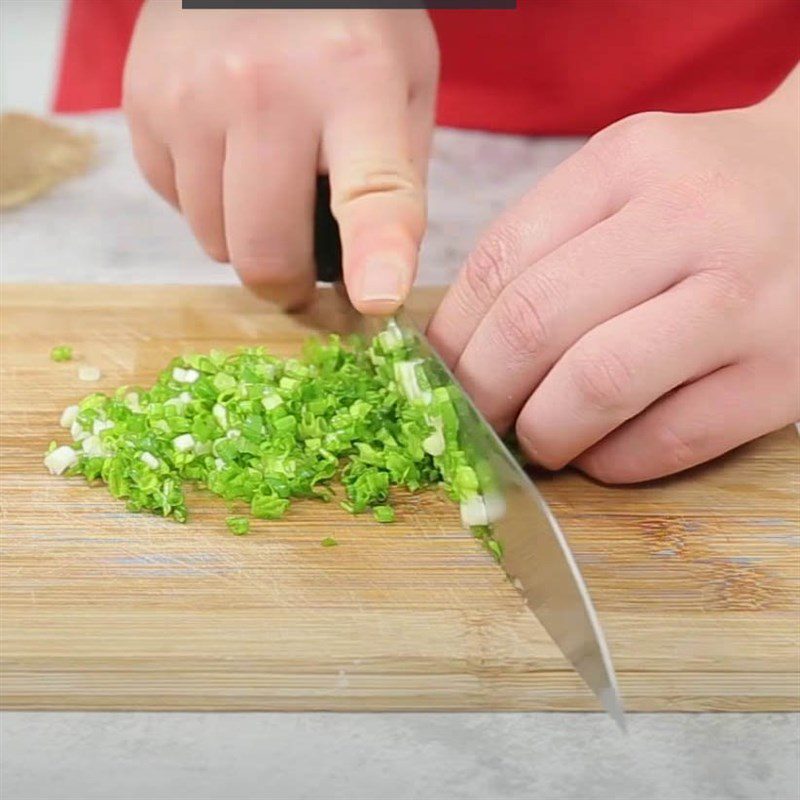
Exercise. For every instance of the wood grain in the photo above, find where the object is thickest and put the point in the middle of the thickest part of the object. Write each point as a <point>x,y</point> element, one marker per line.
<point>696,579</point>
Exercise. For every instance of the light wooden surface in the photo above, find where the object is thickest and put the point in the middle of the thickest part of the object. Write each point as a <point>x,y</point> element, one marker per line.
<point>696,579</point>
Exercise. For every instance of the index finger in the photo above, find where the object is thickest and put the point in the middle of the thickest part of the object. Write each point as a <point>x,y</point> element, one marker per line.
<point>579,193</point>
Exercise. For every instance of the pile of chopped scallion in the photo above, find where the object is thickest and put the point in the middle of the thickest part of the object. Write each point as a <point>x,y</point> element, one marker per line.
<point>262,430</point>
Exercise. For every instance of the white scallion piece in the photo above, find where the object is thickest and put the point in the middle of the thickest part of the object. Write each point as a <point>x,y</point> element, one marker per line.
<point>495,505</point>
<point>220,414</point>
<point>132,402</point>
<point>473,512</point>
<point>435,444</point>
<point>272,401</point>
<point>150,460</point>
<point>101,425</point>
<point>60,460</point>
<point>482,510</point>
<point>405,373</point>
<point>93,447</point>
<point>77,432</point>
<point>185,375</point>
<point>88,373</point>
<point>392,337</point>
<point>68,416</point>
<point>180,402</point>
<point>183,443</point>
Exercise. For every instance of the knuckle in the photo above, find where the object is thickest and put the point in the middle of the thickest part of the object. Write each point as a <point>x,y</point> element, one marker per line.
<point>632,134</point>
<point>721,211</point>
<point>601,379</point>
<point>378,178</point>
<point>535,446</point>
<point>179,95</point>
<point>698,197</point>
<point>729,289</point>
<point>678,450</point>
<point>611,466</point>
<point>700,205</point>
<point>354,42</point>
<point>592,163</point>
<point>265,269</point>
<point>490,266</point>
<point>247,85</point>
<point>246,80</point>
<point>643,144</point>
<point>237,68</point>
<point>650,128</point>
<point>603,470</point>
<point>523,321</point>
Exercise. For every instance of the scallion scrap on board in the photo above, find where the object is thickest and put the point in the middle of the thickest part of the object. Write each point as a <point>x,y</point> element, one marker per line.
<point>61,352</point>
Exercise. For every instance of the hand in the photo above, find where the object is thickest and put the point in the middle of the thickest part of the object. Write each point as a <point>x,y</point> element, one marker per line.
<point>639,311</point>
<point>234,113</point>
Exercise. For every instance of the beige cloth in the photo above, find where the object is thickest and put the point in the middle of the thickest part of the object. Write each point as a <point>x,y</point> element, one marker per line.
<point>36,155</point>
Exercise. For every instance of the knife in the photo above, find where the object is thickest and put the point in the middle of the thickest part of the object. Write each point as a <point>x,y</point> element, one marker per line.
<point>535,553</point>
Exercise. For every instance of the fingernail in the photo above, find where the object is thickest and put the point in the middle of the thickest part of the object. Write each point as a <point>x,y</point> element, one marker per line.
<point>382,280</point>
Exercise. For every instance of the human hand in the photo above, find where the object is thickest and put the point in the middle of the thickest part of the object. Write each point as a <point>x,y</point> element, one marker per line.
<point>234,113</point>
<point>638,312</point>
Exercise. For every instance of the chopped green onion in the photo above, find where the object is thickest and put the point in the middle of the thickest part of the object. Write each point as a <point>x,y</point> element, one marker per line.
<point>62,352</point>
<point>150,460</point>
<point>87,372</point>
<point>183,443</point>
<point>68,416</point>
<point>329,541</point>
<point>268,506</point>
<point>495,548</point>
<point>238,525</point>
<point>265,431</point>
<point>383,513</point>
<point>60,459</point>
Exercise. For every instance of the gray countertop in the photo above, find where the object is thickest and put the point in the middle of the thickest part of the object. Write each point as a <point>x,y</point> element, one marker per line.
<point>92,756</point>
<point>107,226</point>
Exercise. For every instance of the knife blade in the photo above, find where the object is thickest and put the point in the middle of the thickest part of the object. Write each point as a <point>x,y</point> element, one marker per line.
<point>535,553</point>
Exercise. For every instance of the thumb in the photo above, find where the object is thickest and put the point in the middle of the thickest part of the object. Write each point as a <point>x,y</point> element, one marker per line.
<point>378,199</point>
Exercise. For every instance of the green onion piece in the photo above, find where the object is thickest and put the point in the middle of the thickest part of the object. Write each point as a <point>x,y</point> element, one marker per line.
<point>329,541</point>
<point>268,506</point>
<point>238,525</point>
<point>495,548</point>
<point>62,352</point>
<point>383,513</point>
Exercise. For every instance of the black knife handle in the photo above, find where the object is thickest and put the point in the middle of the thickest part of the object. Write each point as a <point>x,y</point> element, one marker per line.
<point>327,242</point>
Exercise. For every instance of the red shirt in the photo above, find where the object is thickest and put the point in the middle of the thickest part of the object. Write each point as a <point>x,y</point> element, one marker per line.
<point>550,66</point>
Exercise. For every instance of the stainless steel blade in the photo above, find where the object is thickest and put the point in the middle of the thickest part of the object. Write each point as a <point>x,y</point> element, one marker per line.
<point>535,553</point>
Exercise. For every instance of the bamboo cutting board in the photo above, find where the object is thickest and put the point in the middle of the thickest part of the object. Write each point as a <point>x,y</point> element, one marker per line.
<point>696,579</point>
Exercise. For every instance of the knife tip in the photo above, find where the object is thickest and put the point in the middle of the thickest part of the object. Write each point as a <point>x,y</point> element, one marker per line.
<point>611,702</point>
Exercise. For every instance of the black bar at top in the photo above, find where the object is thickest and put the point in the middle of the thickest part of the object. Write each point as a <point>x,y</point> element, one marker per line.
<point>299,4</point>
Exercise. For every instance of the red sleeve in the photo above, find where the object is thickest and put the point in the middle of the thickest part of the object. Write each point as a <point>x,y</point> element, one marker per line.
<point>95,45</point>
